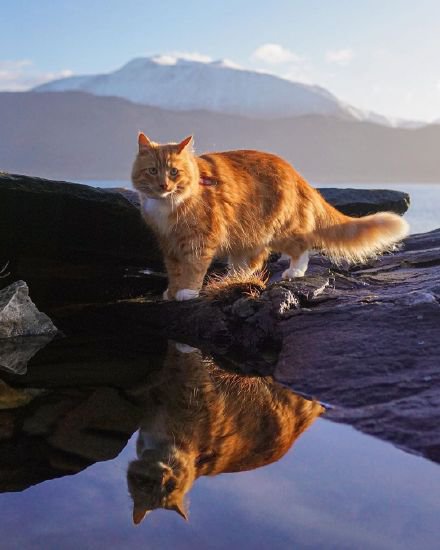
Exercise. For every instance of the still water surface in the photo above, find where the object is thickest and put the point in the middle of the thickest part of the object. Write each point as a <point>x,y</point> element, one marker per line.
<point>334,488</point>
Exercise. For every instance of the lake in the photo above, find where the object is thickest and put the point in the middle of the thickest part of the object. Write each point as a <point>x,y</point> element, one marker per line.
<point>65,454</point>
<point>423,214</point>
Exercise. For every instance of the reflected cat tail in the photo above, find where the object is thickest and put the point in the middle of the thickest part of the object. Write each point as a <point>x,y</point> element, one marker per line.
<point>355,240</point>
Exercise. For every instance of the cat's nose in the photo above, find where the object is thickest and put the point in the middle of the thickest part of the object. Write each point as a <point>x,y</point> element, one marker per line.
<point>164,186</point>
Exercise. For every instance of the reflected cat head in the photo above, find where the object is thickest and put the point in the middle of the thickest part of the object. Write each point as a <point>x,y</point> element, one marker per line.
<point>154,484</point>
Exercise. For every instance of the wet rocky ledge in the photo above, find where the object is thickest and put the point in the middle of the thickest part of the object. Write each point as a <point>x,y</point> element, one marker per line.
<point>364,341</point>
<point>74,243</point>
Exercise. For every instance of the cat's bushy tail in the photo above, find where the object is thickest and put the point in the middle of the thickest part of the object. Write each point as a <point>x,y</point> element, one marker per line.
<point>342,237</point>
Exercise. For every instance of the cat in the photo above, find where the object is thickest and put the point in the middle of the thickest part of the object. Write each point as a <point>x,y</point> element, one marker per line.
<point>243,204</point>
<point>201,420</point>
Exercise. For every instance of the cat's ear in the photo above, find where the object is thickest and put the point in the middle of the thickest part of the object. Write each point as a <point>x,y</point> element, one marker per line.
<point>139,512</point>
<point>186,143</point>
<point>144,142</point>
<point>179,507</point>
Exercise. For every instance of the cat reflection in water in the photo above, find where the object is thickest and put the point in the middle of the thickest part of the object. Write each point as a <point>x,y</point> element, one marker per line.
<point>201,420</point>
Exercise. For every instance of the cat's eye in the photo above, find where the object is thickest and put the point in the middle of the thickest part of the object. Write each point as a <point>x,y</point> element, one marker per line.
<point>173,172</point>
<point>152,170</point>
<point>170,485</point>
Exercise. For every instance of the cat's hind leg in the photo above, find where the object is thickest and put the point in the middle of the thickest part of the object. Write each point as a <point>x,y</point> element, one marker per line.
<point>298,266</point>
<point>299,259</point>
<point>237,262</point>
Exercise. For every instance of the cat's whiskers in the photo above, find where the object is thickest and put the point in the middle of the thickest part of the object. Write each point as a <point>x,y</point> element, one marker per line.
<point>173,208</point>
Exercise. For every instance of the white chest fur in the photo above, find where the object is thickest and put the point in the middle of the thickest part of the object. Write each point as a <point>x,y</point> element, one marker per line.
<point>146,442</point>
<point>157,212</point>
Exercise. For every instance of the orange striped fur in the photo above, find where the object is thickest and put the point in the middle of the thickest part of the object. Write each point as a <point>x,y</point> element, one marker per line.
<point>259,204</point>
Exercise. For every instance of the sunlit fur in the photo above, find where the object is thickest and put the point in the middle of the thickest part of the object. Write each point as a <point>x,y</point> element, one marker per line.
<point>234,284</point>
<point>202,420</point>
<point>260,203</point>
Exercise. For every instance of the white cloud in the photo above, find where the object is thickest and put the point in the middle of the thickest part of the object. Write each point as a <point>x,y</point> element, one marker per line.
<point>18,76</point>
<point>438,85</point>
<point>339,57</point>
<point>14,65</point>
<point>275,54</point>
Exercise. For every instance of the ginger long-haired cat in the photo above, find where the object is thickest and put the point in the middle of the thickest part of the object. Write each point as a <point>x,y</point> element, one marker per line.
<point>243,204</point>
<point>202,421</point>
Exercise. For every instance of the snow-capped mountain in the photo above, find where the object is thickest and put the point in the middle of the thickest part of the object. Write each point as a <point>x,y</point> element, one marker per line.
<point>180,84</point>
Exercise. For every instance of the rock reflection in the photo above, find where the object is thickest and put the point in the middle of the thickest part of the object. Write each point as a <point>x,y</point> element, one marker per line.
<point>15,353</point>
<point>201,420</point>
<point>46,434</point>
<point>193,417</point>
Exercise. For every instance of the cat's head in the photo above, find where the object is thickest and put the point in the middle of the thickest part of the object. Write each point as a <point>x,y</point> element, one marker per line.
<point>167,171</point>
<point>153,484</point>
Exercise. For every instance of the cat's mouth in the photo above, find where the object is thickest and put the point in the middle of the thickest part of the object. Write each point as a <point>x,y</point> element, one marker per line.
<point>158,195</point>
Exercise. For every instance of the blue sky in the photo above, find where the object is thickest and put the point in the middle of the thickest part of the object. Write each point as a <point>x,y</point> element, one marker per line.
<point>380,55</point>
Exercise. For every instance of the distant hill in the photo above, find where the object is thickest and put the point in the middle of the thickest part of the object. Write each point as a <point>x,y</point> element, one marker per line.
<point>75,135</point>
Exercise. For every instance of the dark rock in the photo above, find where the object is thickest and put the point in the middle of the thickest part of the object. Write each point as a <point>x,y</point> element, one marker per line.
<point>364,341</point>
<point>69,221</point>
<point>18,314</point>
<point>7,425</point>
<point>371,350</point>
<point>71,242</point>
<point>93,358</point>
<point>361,202</point>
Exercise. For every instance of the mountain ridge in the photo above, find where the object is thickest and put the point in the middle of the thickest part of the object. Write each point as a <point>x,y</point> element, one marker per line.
<point>76,135</point>
<point>175,83</point>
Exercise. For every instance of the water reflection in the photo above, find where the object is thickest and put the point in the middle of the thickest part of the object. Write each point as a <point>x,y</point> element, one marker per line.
<point>15,353</point>
<point>194,419</point>
<point>45,434</point>
<point>199,420</point>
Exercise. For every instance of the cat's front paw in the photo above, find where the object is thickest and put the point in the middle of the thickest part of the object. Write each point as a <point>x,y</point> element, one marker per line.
<point>186,294</point>
<point>292,273</point>
<point>166,294</point>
